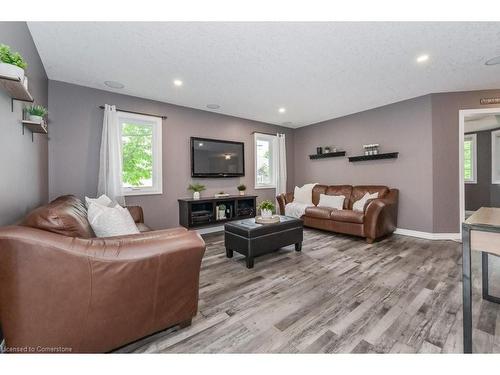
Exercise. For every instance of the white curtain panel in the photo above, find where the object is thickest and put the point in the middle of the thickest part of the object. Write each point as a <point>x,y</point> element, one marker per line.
<point>110,165</point>
<point>280,164</point>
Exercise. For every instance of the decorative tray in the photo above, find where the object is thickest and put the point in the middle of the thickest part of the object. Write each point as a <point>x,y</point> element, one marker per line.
<point>272,220</point>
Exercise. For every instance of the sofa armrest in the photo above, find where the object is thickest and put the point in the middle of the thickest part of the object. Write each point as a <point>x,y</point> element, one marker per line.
<point>136,213</point>
<point>283,199</point>
<point>381,215</point>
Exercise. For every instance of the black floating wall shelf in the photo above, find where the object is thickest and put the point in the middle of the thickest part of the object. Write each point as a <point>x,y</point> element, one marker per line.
<point>389,155</point>
<point>327,155</point>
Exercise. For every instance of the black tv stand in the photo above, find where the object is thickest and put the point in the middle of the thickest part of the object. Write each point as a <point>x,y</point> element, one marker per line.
<point>196,213</point>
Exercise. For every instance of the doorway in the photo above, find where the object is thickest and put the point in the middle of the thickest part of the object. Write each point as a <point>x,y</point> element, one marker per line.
<point>479,158</point>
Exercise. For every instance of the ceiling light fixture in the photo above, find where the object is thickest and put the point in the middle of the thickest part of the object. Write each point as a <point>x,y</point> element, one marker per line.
<point>282,110</point>
<point>493,61</point>
<point>422,58</point>
<point>114,84</point>
<point>213,106</point>
<point>177,82</point>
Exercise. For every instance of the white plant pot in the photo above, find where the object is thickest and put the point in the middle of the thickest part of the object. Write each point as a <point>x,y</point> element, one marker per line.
<point>37,119</point>
<point>11,71</point>
<point>196,195</point>
<point>266,214</point>
<point>222,214</point>
<point>242,192</point>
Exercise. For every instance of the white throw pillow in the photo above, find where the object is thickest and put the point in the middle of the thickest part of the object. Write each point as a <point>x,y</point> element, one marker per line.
<point>360,204</point>
<point>110,221</point>
<point>332,201</point>
<point>103,200</point>
<point>303,194</point>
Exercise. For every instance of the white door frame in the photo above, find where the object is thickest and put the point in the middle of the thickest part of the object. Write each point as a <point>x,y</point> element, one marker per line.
<point>462,114</point>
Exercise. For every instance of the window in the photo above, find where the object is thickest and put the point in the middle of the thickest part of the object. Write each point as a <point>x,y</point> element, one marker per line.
<point>141,154</point>
<point>470,156</point>
<point>265,176</point>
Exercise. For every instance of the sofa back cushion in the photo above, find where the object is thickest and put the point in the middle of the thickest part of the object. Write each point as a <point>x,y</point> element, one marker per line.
<point>65,215</point>
<point>345,190</point>
<point>359,191</point>
<point>316,192</point>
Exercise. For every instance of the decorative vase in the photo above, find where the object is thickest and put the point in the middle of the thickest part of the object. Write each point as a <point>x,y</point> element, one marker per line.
<point>9,70</point>
<point>319,150</point>
<point>222,214</point>
<point>196,195</point>
<point>242,192</point>
<point>37,119</point>
<point>266,214</point>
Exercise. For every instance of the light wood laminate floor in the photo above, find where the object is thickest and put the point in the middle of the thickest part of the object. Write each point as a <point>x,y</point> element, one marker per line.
<point>339,295</point>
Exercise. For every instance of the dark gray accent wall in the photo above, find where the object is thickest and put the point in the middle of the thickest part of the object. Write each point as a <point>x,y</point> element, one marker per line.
<point>405,127</point>
<point>445,146</point>
<point>76,124</point>
<point>483,193</point>
<point>23,164</point>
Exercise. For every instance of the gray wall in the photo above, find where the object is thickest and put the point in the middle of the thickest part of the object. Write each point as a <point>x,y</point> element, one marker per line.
<point>483,193</point>
<point>403,127</point>
<point>23,167</point>
<point>76,123</point>
<point>445,146</point>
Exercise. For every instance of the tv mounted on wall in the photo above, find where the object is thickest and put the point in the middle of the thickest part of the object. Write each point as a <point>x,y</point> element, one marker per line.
<point>217,158</point>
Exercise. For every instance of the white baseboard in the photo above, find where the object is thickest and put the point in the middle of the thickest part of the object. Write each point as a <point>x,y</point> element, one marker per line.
<point>219,228</point>
<point>428,235</point>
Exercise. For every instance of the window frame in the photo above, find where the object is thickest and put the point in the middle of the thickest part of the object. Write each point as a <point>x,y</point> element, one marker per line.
<point>156,143</point>
<point>272,139</point>
<point>473,138</point>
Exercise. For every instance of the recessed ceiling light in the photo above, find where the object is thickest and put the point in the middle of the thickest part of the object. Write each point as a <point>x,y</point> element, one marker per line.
<point>422,58</point>
<point>213,106</point>
<point>282,110</point>
<point>114,84</point>
<point>493,61</point>
<point>177,82</point>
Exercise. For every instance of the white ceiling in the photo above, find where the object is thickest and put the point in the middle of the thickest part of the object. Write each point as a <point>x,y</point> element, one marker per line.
<point>317,71</point>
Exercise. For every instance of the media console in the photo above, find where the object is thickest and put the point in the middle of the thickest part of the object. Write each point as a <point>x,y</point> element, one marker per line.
<point>195,213</point>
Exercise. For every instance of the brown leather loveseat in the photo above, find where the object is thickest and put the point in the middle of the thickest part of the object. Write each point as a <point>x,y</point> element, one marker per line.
<point>378,219</point>
<point>63,290</point>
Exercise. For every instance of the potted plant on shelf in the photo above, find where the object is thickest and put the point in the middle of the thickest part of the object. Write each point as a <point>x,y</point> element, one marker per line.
<point>241,188</point>
<point>36,113</point>
<point>12,64</point>
<point>196,189</point>
<point>266,209</point>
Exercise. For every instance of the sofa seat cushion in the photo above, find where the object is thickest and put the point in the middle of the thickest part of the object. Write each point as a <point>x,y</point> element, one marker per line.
<point>65,215</point>
<point>319,212</point>
<point>347,216</point>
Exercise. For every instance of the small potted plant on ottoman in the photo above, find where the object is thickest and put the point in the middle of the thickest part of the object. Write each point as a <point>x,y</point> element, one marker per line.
<point>196,189</point>
<point>266,209</point>
<point>241,188</point>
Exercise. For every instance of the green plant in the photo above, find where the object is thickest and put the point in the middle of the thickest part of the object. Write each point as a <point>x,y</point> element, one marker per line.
<point>196,187</point>
<point>266,205</point>
<point>222,207</point>
<point>241,187</point>
<point>36,110</point>
<point>13,58</point>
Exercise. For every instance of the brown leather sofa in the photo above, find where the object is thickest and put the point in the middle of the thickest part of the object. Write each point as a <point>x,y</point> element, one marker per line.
<point>378,219</point>
<point>63,290</point>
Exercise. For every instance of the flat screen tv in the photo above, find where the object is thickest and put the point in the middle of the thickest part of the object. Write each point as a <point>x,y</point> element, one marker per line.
<point>217,158</point>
